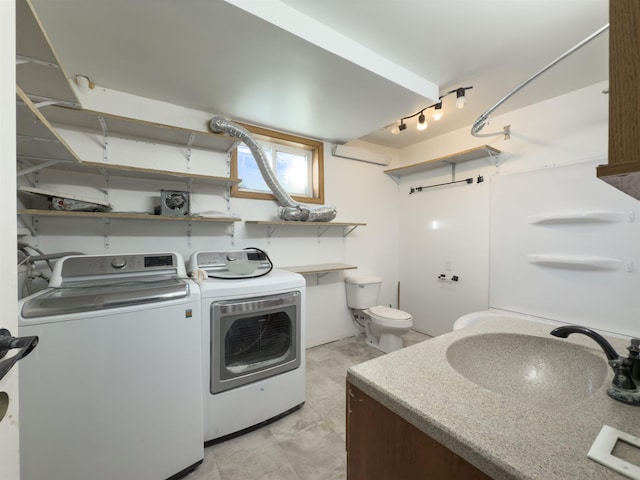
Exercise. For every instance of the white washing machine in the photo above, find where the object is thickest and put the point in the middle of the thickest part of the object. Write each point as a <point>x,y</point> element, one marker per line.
<point>253,342</point>
<point>114,389</point>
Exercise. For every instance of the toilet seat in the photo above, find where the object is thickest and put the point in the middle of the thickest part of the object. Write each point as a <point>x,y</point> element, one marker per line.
<point>390,317</point>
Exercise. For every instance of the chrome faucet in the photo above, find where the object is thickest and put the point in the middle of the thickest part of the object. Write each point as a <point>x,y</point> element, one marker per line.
<point>626,371</point>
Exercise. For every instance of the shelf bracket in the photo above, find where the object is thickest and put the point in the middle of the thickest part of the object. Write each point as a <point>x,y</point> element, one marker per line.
<point>271,229</point>
<point>40,101</point>
<point>35,168</point>
<point>107,180</point>
<point>189,145</point>
<point>189,231</point>
<point>495,159</point>
<point>107,225</point>
<point>347,230</point>
<point>21,59</point>
<point>322,231</point>
<point>320,275</point>
<point>105,138</point>
<point>233,234</point>
<point>33,226</point>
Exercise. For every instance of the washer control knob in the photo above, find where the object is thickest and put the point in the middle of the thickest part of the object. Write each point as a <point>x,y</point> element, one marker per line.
<point>231,257</point>
<point>119,263</point>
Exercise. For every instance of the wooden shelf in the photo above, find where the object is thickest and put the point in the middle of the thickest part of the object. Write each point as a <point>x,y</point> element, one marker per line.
<point>36,139</point>
<point>144,173</point>
<point>464,156</point>
<point>38,70</point>
<point>124,127</point>
<point>124,215</point>
<point>39,142</point>
<point>304,224</point>
<point>320,268</point>
<point>272,225</point>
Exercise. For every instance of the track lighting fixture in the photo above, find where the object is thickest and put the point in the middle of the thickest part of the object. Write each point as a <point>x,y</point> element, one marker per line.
<point>437,114</point>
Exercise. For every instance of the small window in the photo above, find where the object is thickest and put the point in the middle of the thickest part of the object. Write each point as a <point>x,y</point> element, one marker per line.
<point>297,163</point>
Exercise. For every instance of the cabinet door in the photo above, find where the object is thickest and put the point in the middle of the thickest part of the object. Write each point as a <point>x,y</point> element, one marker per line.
<point>624,72</point>
<point>383,446</point>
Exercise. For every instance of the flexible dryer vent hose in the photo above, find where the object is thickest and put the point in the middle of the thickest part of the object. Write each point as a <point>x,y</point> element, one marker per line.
<point>290,209</point>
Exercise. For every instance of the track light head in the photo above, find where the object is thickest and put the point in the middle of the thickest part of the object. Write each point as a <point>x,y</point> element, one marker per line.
<point>460,98</point>
<point>422,122</point>
<point>437,111</point>
<point>398,128</point>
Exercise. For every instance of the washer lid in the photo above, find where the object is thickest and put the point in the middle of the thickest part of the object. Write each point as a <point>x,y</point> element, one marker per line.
<point>390,313</point>
<point>93,296</point>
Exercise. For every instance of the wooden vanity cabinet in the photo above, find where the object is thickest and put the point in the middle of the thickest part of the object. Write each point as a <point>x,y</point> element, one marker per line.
<point>623,169</point>
<point>381,445</point>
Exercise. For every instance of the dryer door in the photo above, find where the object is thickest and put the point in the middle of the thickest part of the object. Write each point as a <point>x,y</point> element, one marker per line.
<point>254,338</point>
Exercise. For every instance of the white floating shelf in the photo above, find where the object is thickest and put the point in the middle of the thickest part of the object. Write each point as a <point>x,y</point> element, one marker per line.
<point>577,261</point>
<point>589,216</point>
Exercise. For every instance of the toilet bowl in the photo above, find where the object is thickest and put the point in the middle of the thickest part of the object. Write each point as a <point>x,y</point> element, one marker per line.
<point>383,325</point>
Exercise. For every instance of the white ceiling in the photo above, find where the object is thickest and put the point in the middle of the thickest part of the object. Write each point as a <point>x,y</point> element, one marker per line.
<point>378,60</point>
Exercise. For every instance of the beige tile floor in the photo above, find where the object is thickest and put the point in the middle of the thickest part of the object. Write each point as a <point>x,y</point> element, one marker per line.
<point>308,444</point>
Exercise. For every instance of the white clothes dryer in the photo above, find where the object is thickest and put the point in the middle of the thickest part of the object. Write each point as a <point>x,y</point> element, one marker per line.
<point>253,343</point>
<point>114,389</point>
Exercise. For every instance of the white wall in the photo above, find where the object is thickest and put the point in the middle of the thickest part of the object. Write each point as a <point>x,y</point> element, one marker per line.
<point>408,238</point>
<point>359,190</point>
<point>449,226</point>
<point>9,438</point>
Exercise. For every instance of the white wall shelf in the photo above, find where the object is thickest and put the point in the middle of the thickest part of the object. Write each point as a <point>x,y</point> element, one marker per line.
<point>582,262</point>
<point>459,157</point>
<point>272,225</point>
<point>587,216</point>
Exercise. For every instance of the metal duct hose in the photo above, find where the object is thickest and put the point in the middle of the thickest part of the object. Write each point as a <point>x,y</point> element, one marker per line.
<point>290,209</point>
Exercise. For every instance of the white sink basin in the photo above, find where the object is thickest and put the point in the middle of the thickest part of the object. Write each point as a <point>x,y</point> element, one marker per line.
<point>535,370</point>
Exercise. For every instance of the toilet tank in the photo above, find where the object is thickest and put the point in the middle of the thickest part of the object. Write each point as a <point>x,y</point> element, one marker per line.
<point>362,290</point>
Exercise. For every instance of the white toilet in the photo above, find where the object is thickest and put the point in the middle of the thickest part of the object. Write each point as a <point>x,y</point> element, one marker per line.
<point>383,325</point>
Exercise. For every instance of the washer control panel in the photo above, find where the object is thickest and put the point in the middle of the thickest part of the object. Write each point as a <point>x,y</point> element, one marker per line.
<point>99,265</point>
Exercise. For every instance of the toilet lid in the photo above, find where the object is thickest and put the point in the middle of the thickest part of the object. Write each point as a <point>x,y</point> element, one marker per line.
<point>389,313</point>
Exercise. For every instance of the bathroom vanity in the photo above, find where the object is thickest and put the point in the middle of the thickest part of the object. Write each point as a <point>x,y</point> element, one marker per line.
<point>421,412</point>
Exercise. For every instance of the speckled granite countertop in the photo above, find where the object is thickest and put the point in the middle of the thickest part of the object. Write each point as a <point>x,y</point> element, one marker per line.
<point>502,437</point>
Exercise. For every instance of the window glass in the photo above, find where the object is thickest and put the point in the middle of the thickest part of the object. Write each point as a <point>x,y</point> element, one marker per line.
<point>297,163</point>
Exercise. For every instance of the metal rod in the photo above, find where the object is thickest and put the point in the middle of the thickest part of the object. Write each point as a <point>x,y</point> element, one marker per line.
<point>482,119</point>
<point>419,189</point>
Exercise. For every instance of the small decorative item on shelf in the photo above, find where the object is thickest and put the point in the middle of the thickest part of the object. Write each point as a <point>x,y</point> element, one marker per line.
<point>50,200</point>
<point>173,203</point>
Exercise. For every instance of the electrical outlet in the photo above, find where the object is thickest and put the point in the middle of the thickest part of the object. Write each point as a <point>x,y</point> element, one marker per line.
<point>447,265</point>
